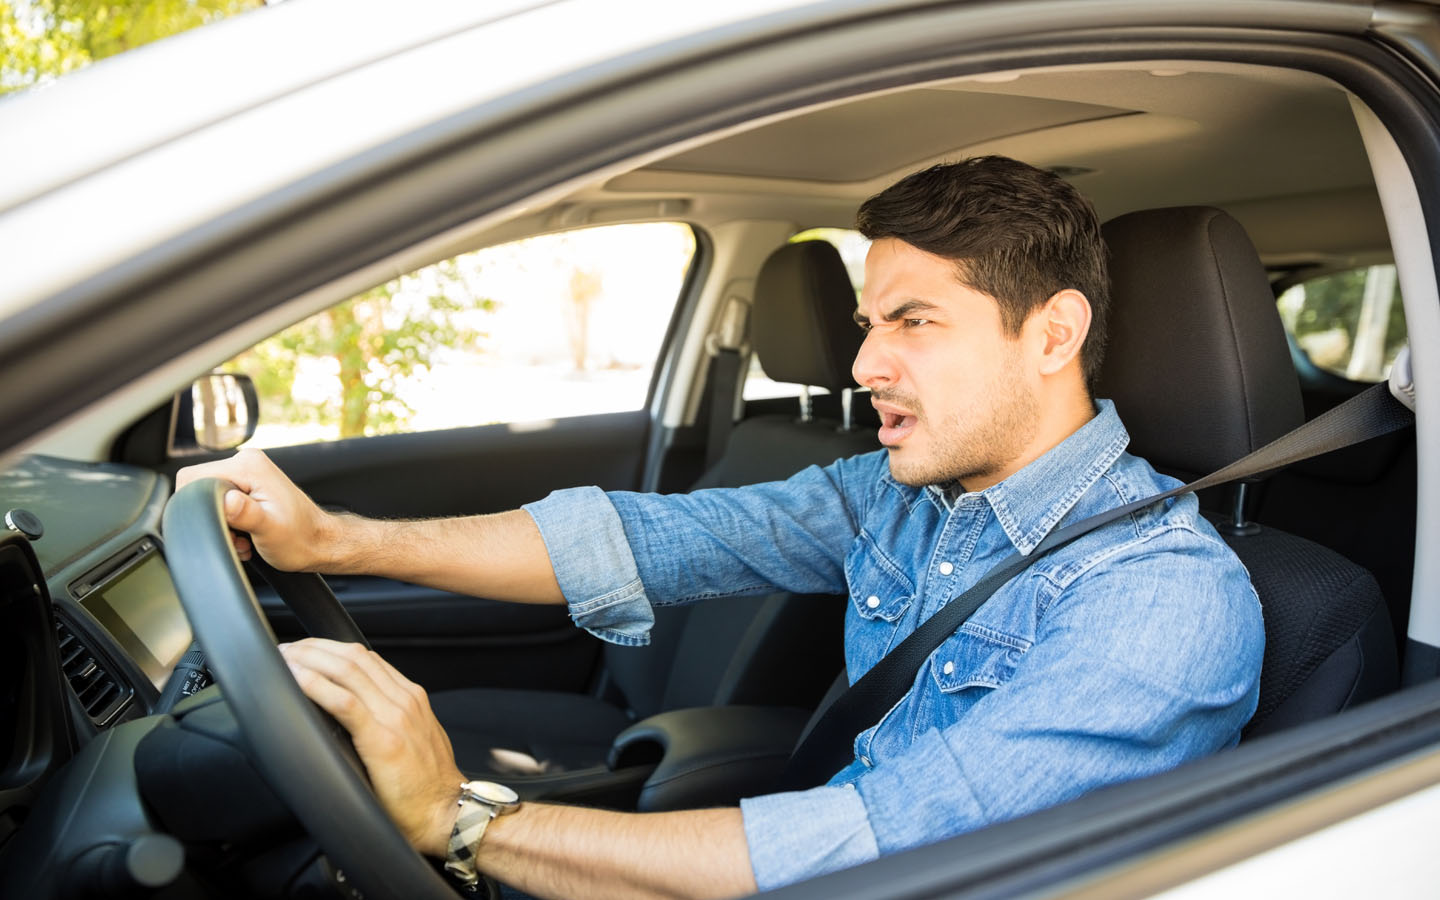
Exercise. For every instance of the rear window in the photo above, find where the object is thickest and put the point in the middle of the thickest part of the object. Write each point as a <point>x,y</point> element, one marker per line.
<point>1349,323</point>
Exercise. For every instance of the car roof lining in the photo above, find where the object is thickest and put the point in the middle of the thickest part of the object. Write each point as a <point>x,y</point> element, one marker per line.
<point>1259,141</point>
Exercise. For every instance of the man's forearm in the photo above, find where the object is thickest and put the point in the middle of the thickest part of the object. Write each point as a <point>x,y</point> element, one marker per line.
<point>501,556</point>
<point>563,851</point>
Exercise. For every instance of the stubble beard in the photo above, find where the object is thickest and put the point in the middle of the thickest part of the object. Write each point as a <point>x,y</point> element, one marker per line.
<point>973,444</point>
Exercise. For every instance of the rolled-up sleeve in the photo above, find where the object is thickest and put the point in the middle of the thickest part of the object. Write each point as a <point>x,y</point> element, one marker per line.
<point>803,834</point>
<point>594,565</point>
<point>790,535</point>
<point>617,555</point>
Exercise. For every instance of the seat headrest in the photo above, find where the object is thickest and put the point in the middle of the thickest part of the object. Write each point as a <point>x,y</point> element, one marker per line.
<point>1196,360</point>
<point>803,318</point>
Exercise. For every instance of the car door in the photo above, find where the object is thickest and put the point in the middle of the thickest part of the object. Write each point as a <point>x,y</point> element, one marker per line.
<point>471,386</point>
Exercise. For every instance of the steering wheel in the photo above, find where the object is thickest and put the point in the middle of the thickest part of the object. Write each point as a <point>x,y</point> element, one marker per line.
<point>289,742</point>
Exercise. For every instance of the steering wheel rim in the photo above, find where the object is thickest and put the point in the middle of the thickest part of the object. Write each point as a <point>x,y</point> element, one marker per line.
<point>289,743</point>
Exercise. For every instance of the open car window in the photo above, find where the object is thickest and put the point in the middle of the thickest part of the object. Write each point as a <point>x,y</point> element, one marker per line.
<point>546,327</point>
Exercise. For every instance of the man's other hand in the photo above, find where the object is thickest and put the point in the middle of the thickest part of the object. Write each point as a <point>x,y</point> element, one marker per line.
<point>284,525</point>
<point>407,753</point>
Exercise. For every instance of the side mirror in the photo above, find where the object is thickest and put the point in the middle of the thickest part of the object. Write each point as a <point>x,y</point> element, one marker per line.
<point>218,412</point>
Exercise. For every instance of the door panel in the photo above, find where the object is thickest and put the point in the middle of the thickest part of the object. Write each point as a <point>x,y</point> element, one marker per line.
<point>465,471</point>
<point>444,640</point>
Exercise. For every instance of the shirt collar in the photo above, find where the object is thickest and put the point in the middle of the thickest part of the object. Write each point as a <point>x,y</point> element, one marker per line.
<point>1027,504</point>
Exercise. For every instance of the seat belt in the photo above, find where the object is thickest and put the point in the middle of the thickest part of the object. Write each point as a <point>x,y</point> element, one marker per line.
<point>828,746</point>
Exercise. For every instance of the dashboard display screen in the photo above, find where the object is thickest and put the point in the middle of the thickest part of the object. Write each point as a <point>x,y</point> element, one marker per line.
<point>142,612</point>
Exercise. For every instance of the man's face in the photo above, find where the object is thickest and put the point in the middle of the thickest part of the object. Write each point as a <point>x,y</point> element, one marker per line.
<point>956,398</point>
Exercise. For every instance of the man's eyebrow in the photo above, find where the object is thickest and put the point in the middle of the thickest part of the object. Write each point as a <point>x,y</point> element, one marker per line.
<point>902,311</point>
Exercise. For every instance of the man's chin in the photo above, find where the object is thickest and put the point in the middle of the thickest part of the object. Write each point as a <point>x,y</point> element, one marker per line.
<point>921,473</point>
<point>908,471</point>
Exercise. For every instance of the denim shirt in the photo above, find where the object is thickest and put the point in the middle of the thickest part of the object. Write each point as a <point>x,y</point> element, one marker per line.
<point>1123,654</point>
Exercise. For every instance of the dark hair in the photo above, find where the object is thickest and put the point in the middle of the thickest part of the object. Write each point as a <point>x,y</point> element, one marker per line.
<point>1015,232</point>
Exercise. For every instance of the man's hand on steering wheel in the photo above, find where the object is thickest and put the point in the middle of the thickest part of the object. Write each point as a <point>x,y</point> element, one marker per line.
<point>406,753</point>
<point>289,530</point>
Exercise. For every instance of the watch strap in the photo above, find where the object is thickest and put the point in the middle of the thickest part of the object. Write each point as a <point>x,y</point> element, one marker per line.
<point>470,824</point>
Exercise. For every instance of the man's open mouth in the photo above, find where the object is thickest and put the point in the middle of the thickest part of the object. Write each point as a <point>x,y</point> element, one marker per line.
<point>894,426</point>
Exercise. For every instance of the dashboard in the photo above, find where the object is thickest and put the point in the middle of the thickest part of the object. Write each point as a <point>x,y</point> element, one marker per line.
<point>94,786</point>
<point>120,628</point>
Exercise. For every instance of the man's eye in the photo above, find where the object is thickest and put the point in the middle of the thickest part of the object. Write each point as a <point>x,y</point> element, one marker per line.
<point>912,323</point>
<point>863,326</point>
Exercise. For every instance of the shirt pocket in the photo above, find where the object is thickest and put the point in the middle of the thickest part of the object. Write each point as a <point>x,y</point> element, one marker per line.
<point>878,590</point>
<point>975,658</point>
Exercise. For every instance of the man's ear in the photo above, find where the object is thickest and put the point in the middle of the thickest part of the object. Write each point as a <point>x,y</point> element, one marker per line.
<point>1061,325</point>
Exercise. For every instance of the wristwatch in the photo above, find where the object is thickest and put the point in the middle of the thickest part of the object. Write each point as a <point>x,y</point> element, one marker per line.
<point>480,801</point>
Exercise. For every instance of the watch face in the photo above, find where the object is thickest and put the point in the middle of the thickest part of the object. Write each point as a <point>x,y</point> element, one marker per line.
<point>491,792</point>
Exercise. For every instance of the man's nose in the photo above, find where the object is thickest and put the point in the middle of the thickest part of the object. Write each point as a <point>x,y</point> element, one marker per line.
<point>872,366</point>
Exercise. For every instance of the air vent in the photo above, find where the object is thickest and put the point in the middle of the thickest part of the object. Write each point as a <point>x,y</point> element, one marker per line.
<point>100,692</point>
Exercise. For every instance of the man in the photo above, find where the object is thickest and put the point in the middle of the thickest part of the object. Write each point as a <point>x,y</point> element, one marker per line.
<point>1125,653</point>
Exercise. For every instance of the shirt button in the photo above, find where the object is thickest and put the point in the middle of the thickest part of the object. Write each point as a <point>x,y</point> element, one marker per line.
<point>946,568</point>
<point>949,668</point>
<point>872,601</point>
<point>865,760</point>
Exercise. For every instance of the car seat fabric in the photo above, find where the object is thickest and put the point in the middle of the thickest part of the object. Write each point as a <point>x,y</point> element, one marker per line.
<point>1374,482</point>
<point>1371,521</point>
<point>1305,629</point>
<point>1199,369</point>
<point>779,649</point>
<point>804,317</point>
<point>1192,317</point>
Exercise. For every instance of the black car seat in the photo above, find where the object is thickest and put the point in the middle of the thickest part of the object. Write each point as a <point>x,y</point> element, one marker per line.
<point>1200,372</point>
<point>779,649</point>
<point>1373,481</point>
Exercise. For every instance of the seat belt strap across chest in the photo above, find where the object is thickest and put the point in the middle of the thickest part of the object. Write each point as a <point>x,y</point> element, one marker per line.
<point>828,746</point>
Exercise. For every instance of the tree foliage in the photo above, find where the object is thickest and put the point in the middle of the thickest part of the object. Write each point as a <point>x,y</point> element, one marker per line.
<point>371,343</point>
<point>44,39</point>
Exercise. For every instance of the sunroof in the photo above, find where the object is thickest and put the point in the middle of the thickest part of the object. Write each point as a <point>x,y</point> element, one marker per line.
<point>857,141</point>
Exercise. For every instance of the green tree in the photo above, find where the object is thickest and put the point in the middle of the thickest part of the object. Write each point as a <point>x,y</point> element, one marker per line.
<point>44,39</point>
<point>375,340</point>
